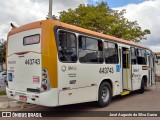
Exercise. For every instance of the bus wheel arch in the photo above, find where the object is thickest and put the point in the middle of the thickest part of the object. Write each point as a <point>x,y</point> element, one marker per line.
<point>105,92</point>
<point>143,84</point>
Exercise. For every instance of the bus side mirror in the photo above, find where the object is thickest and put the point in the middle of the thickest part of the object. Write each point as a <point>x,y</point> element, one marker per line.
<point>156,59</point>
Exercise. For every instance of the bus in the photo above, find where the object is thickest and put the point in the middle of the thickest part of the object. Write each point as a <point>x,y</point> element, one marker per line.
<point>158,67</point>
<point>51,63</point>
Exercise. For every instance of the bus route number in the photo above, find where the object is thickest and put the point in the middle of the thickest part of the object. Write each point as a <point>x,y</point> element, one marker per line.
<point>32,61</point>
<point>106,70</point>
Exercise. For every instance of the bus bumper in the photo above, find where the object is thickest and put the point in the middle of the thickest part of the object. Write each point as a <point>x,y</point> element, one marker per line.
<point>49,98</point>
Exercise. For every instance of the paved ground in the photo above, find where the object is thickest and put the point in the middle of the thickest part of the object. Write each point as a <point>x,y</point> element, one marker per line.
<point>149,101</point>
<point>4,98</point>
<point>2,87</point>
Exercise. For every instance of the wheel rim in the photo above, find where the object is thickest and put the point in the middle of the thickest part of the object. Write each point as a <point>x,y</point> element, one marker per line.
<point>105,94</point>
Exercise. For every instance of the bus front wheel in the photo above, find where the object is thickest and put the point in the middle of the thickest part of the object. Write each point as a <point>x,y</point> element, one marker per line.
<point>104,94</point>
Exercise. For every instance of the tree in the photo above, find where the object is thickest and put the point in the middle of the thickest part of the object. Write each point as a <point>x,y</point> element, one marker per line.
<point>2,50</point>
<point>102,19</point>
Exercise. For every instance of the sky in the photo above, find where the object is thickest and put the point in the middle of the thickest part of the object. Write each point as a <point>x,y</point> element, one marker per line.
<point>20,12</point>
<point>116,3</point>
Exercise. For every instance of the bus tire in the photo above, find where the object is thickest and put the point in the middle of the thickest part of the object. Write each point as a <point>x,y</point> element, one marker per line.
<point>104,94</point>
<point>141,90</point>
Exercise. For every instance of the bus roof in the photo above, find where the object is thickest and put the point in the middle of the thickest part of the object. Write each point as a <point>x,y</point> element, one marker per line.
<point>74,28</point>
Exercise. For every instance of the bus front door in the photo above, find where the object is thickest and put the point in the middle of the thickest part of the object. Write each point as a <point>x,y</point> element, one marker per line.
<point>152,66</point>
<point>149,68</point>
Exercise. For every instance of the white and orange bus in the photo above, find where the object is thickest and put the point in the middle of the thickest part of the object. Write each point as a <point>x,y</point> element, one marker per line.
<point>158,66</point>
<point>51,63</point>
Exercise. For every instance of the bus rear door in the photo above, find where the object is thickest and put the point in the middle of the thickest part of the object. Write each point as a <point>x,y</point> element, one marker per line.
<point>126,78</point>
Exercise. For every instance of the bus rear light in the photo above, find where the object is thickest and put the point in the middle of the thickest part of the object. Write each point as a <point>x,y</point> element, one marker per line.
<point>44,76</point>
<point>36,96</point>
<point>45,80</point>
<point>44,87</point>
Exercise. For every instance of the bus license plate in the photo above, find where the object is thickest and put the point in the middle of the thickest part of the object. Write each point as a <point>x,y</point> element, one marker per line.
<point>23,98</point>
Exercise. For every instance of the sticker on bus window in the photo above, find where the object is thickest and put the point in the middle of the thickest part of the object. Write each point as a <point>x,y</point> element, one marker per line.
<point>117,68</point>
<point>10,77</point>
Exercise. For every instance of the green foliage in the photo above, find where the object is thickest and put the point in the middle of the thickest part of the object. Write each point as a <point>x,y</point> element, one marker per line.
<point>2,50</point>
<point>2,92</point>
<point>102,19</point>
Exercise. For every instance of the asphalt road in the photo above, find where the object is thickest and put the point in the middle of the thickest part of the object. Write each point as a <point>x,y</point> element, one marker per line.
<point>149,101</point>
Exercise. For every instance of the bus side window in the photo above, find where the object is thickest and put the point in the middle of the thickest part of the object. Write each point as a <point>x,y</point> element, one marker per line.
<point>133,56</point>
<point>139,54</point>
<point>90,50</point>
<point>141,57</point>
<point>67,47</point>
<point>82,43</point>
<point>63,40</point>
<point>144,57</point>
<point>111,53</point>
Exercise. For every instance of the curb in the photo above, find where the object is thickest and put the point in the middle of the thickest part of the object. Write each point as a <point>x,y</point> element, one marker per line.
<point>4,105</point>
<point>13,104</point>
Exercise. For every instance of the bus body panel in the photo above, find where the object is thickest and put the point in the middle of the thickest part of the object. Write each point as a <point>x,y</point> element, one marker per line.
<point>15,42</point>
<point>158,69</point>
<point>23,61</point>
<point>48,98</point>
<point>23,74</point>
<point>140,72</point>
<point>78,95</point>
<point>49,52</point>
<point>76,84</point>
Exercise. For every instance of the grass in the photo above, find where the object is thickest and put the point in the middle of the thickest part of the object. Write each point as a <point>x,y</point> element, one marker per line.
<point>2,92</point>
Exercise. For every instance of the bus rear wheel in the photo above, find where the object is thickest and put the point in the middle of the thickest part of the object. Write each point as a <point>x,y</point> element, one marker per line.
<point>104,94</point>
<point>141,90</point>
